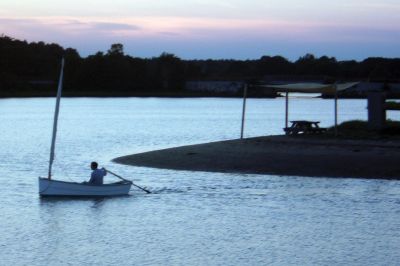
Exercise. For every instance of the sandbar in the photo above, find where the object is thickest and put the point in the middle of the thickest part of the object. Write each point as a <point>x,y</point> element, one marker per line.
<point>281,155</point>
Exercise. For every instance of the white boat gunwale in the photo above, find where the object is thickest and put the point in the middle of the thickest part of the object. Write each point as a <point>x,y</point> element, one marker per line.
<point>58,188</point>
<point>119,183</point>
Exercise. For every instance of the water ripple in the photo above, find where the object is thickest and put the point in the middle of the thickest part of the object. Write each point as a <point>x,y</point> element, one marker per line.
<point>190,218</point>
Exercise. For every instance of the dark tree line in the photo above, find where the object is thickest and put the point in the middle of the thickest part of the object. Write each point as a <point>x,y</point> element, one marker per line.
<point>32,69</point>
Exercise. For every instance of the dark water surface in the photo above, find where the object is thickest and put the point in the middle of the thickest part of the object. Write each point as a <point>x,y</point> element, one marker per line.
<point>192,218</point>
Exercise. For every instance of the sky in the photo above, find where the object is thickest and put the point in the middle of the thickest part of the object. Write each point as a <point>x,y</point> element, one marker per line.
<point>204,29</point>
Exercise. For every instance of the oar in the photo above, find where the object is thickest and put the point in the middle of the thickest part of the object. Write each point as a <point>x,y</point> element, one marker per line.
<point>120,177</point>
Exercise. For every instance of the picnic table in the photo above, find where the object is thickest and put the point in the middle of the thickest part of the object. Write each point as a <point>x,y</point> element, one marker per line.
<point>304,127</point>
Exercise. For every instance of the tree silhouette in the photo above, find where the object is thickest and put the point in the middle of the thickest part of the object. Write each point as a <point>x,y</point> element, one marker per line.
<point>32,69</point>
<point>116,49</point>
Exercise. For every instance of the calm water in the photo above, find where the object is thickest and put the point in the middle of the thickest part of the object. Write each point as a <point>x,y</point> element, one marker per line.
<point>192,218</point>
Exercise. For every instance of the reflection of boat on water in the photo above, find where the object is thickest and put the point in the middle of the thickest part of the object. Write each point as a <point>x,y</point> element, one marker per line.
<point>50,187</point>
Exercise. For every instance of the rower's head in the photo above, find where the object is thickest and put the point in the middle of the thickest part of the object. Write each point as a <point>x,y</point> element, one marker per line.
<point>94,165</point>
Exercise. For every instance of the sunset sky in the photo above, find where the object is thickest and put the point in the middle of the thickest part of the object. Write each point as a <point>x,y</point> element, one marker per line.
<point>201,29</point>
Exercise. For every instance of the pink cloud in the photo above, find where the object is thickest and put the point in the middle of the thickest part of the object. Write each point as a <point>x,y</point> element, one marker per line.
<point>195,28</point>
<point>146,35</point>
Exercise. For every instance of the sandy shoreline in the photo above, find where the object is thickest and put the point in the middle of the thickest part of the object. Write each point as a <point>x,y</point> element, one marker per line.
<point>281,155</point>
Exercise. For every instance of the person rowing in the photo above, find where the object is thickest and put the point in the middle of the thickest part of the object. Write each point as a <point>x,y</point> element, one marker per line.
<point>97,176</point>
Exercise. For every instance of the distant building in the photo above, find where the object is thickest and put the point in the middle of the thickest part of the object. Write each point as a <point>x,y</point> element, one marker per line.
<point>42,82</point>
<point>362,89</point>
<point>259,88</point>
<point>228,88</point>
<point>290,79</point>
<point>219,87</point>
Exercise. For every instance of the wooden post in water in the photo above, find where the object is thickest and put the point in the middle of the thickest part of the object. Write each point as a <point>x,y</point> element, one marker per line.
<point>287,109</point>
<point>243,110</point>
<point>336,110</point>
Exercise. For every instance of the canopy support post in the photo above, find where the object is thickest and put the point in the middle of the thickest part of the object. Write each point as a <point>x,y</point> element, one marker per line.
<point>287,109</point>
<point>336,111</point>
<point>243,110</point>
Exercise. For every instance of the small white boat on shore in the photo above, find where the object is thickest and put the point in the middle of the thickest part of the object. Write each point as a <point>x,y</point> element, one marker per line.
<point>49,187</point>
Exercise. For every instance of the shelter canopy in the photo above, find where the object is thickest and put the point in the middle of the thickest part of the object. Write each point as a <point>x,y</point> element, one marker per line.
<point>311,87</point>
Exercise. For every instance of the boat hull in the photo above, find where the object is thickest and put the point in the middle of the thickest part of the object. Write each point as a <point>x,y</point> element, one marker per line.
<point>54,188</point>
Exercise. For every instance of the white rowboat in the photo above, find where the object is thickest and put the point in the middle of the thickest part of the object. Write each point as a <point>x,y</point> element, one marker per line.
<point>71,189</point>
<point>49,187</point>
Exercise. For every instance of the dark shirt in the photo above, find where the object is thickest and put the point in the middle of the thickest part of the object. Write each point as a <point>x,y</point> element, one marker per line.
<point>97,176</point>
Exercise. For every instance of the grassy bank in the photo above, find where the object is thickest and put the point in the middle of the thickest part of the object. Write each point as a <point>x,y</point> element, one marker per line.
<point>358,129</point>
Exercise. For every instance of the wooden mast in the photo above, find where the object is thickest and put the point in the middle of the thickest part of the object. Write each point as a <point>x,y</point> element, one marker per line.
<point>53,139</point>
